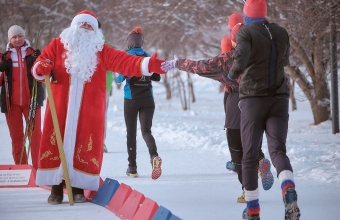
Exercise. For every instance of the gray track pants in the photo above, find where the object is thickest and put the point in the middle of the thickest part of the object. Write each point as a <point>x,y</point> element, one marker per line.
<point>258,115</point>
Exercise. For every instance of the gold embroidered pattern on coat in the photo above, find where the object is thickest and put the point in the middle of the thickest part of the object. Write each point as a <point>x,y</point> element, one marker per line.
<point>82,171</point>
<point>78,157</point>
<point>53,138</point>
<point>45,155</point>
<point>89,145</point>
<point>55,158</point>
<point>95,162</point>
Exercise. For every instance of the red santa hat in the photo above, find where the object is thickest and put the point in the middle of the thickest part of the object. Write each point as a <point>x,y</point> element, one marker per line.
<point>234,19</point>
<point>255,8</point>
<point>234,31</point>
<point>86,16</point>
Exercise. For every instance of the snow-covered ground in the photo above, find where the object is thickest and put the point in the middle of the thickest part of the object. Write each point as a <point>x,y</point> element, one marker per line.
<point>194,183</point>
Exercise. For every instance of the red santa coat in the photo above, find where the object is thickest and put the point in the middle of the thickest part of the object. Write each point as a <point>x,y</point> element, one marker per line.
<point>80,108</point>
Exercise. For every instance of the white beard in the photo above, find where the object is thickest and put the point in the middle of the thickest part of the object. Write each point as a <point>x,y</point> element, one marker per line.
<point>81,51</point>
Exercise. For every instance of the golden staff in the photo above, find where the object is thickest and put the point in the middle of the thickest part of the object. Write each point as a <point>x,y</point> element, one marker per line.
<point>59,141</point>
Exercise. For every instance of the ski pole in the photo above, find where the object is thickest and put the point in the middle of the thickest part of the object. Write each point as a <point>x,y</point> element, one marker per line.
<point>32,121</point>
<point>59,141</point>
<point>31,112</point>
<point>8,102</point>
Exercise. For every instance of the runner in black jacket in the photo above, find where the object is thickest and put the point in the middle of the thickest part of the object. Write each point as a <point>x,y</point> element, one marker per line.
<point>138,100</point>
<point>261,54</point>
<point>217,68</point>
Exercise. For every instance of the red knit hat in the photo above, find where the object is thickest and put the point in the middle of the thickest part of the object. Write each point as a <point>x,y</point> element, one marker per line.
<point>135,38</point>
<point>234,19</point>
<point>255,8</point>
<point>137,30</point>
<point>86,16</point>
<point>234,31</point>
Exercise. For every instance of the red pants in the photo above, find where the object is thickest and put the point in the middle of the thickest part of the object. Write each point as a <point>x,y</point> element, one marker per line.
<point>16,129</point>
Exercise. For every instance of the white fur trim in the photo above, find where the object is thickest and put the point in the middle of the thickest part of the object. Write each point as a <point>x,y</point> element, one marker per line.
<point>73,109</point>
<point>77,179</point>
<point>85,18</point>
<point>15,57</point>
<point>49,177</point>
<point>8,46</point>
<point>34,72</point>
<point>145,67</point>
<point>251,194</point>
<point>286,175</point>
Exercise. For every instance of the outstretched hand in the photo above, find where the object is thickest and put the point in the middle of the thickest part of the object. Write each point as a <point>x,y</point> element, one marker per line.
<point>155,65</point>
<point>169,65</point>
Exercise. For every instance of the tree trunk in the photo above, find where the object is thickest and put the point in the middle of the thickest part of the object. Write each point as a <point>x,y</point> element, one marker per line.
<point>291,94</point>
<point>320,112</point>
<point>316,91</point>
<point>191,89</point>
<point>181,91</point>
<point>321,100</point>
<point>320,107</point>
<point>167,87</point>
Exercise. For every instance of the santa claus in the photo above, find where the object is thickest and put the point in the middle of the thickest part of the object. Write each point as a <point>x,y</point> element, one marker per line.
<point>80,58</point>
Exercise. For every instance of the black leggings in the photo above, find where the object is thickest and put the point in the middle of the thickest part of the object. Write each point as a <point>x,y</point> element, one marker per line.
<point>236,151</point>
<point>145,107</point>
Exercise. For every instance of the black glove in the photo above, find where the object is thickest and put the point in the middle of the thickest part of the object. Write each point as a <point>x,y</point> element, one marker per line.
<point>37,53</point>
<point>155,77</point>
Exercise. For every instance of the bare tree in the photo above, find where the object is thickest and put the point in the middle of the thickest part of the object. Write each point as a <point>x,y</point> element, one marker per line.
<point>309,64</point>
<point>191,29</point>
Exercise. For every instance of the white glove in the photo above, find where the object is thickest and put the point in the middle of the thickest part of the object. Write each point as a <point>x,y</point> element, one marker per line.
<point>169,65</point>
